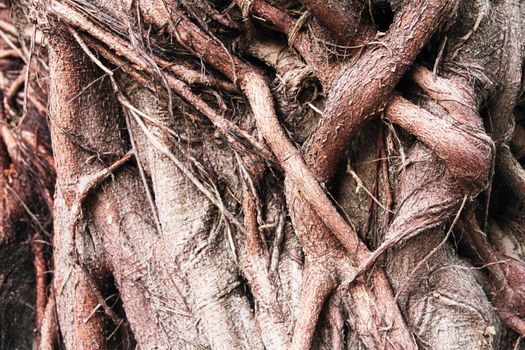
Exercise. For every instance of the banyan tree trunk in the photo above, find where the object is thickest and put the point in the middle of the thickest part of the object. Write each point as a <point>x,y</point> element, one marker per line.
<point>262,174</point>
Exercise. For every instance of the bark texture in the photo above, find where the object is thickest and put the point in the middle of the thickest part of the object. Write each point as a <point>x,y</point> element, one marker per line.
<point>262,174</point>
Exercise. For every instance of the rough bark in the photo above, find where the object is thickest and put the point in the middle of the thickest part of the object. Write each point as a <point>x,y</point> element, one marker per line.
<point>262,174</point>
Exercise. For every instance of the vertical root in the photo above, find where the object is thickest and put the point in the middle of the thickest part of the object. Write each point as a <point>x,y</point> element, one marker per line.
<point>49,329</point>
<point>317,285</point>
<point>81,327</point>
<point>39,262</point>
<point>270,317</point>
<point>337,322</point>
<point>507,275</point>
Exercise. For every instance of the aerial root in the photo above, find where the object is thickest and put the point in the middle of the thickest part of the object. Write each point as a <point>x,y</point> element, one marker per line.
<point>49,329</point>
<point>40,266</point>
<point>239,139</point>
<point>511,171</point>
<point>465,149</point>
<point>77,293</point>
<point>12,92</point>
<point>318,283</point>
<point>506,275</point>
<point>337,321</point>
<point>86,185</point>
<point>256,262</point>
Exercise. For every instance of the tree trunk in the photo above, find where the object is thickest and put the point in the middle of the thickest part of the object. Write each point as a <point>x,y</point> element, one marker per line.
<point>262,174</point>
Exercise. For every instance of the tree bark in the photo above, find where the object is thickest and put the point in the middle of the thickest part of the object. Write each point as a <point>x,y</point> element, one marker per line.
<point>262,174</point>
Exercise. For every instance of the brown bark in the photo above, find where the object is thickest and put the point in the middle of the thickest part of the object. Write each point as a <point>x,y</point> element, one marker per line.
<point>262,175</point>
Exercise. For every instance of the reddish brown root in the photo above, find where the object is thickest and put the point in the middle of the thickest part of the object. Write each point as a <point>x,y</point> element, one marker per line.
<point>317,285</point>
<point>260,100</point>
<point>337,321</point>
<point>373,305</point>
<point>10,96</point>
<point>313,53</point>
<point>49,332</point>
<point>272,321</point>
<point>340,16</point>
<point>466,152</point>
<point>507,275</point>
<point>353,99</point>
<point>356,92</point>
<point>511,172</point>
<point>39,262</point>
<point>78,307</point>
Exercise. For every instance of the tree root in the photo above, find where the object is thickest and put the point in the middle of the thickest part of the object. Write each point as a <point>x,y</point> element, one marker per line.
<point>457,138</point>
<point>354,99</point>
<point>76,301</point>
<point>512,173</point>
<point>507,275</point>
<point>252,84</point>
<point>11,95</point>
<point>39,262</point>
<point>312,52</point>
<point>317,285</point>
<point>49,330</point>
<point>334,253</point>
<point>337,321</point>
<point>340,16</point>
<point>238,137</point>
<point>427,197</point>
<point>373,308</point>
<point>126,250</point>
<point>272,322</point>
<point>201,257</point>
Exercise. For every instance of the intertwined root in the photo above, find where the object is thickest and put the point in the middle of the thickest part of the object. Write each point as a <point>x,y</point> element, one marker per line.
<point>448,166</point>
<point>507,274</point>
